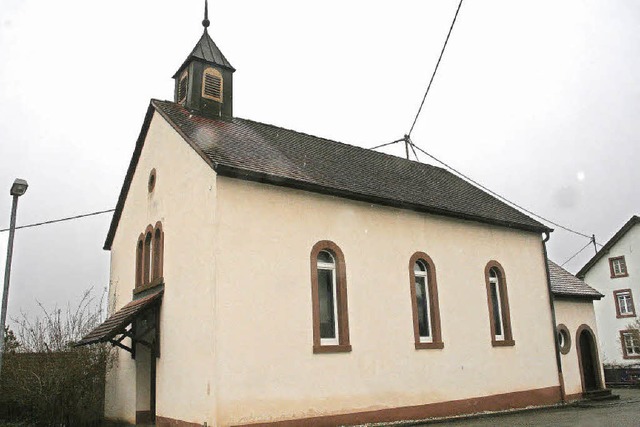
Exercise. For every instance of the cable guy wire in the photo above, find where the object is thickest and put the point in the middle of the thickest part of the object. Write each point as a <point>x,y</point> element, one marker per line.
<point>388,143</point>
<point>576,254</point>
<point>60,220</point>
<point>500,196</point>
<point>435,70</point>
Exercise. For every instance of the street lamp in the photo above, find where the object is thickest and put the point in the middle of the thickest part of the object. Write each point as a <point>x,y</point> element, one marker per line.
<point>18,188</point>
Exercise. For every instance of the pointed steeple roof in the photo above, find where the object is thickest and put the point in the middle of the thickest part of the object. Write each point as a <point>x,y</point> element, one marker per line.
<point>206,50</point>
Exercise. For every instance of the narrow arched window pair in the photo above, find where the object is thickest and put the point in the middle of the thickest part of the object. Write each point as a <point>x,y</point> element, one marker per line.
<point>498,301</point>
<point>424,302</point>
<point>149,256</point>
<point>329,296</point>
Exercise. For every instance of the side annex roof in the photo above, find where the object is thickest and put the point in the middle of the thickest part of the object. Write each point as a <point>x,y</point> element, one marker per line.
<point>565,284</point>
<point>253,151</point>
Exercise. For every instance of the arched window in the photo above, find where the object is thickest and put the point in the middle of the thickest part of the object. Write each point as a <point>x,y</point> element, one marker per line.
<point>140,261</point>
<point>424,302</point>
<point>498,301</point>
<point>149,258</point>
<point>329,296</point>
<point>146,269</point>
<point>212,84</point>
<point>158,253</point>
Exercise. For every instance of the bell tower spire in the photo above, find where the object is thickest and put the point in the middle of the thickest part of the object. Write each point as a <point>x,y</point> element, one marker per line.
<point>204,81</point>
<point>205,21</point>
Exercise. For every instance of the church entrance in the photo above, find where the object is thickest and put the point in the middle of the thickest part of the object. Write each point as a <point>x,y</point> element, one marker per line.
<point>588,359</point>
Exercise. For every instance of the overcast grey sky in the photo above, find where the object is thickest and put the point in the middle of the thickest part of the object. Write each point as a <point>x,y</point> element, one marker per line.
<point>536,99</point>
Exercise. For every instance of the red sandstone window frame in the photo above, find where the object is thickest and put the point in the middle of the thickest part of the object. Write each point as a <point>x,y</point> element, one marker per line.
<point>506,338</point>
<point>340,299</point>
<point>433,305</point>
<point>622,263</point>
<point>635,335</point>
<point>616,297</point>
<point>149,258</point>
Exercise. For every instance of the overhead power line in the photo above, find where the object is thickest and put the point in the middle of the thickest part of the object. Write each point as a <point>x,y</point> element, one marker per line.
<point>576,254</point>
<point>488,190</point>
<point>53,221</point>
<point>435,70</point>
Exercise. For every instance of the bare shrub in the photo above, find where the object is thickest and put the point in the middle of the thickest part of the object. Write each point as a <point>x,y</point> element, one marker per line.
<point>53,382</point>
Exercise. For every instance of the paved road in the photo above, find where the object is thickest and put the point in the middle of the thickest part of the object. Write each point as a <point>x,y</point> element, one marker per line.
<point>622,413</point>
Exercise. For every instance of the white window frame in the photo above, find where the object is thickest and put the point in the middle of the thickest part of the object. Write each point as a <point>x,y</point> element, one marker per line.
<point>427,296</point>
<point>625,303</point>
<point>494,281</point>
<point>617,267</point>
<point>331,267</point>
<point>631,342</point>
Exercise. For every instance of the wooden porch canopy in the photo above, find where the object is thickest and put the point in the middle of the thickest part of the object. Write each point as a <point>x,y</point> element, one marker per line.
<point>123,324</point>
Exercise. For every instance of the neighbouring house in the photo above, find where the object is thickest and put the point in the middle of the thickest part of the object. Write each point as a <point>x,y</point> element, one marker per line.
<point>577,332</point>
<point>614,270</point>
<point>261,275</point>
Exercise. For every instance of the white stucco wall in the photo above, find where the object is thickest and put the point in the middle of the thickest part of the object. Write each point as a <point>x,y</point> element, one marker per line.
<point>573,314</point>
<point>599,277</point>
<point>183,200</point>
<point>265,367</point>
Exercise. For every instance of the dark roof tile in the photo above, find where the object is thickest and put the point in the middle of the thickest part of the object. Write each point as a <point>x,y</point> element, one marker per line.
<point>566,284</point>
<point>117,322</point>
<point>285,157</point>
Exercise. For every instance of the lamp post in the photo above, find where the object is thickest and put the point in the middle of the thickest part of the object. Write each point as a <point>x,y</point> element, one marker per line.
<point>18,188</point>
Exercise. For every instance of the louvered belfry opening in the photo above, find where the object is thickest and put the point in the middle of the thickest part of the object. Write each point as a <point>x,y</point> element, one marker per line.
<point>182,88</point>
<point>212,85</point>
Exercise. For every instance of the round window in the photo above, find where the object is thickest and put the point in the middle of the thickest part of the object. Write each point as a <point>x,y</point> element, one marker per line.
<point>152,180</point>
<point>564,339</point>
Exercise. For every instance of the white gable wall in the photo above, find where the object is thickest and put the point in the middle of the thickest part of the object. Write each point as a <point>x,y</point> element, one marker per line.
<point>599,277</point>
<point>265,367</point>
<point>183,200</point>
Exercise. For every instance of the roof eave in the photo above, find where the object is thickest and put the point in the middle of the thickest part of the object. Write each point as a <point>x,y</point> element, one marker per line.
<point>192,57</point>
<point>115,219</point>
<point>562,295</point>
<point>234,172</point>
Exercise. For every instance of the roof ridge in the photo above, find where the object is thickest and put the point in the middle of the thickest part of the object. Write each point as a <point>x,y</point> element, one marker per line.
<point>487,208</point>
<point>368,150</point>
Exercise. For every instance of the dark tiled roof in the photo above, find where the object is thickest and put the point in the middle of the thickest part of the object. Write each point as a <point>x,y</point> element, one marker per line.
<point>257,148</point>
<point>207,50</point>
<point>566,284</point>
<point>117,323</point>
<point>605,249</point>
<point>259,152</point>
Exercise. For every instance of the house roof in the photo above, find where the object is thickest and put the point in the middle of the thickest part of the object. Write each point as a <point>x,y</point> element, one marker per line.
<point>206,50</point>
<point>117,322</point>
<point>255,151</point>
<point>607,246</point>
<point>565,284</point>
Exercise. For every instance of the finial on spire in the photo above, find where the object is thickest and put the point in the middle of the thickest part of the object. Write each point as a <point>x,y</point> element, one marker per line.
<point>205,21</point>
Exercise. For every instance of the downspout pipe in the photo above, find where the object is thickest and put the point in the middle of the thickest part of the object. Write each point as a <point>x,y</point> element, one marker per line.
<point>563,394</point>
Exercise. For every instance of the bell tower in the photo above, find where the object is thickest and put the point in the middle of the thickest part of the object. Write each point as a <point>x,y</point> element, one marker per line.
<point>204,81</point>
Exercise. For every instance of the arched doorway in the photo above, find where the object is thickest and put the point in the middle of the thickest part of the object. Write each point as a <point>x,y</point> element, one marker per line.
<point>588,359</point>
